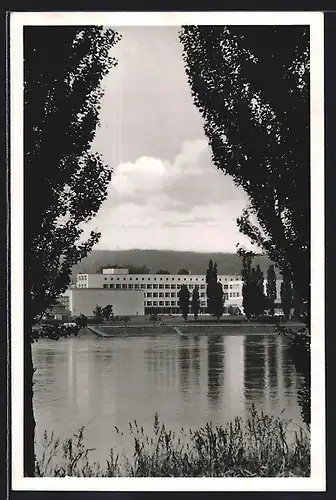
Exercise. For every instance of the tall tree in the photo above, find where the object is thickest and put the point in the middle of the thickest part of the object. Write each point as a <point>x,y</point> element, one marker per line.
<point>107,312</point>
<point>63,71</point>
<point>218,301</point>
<point>251,84</point>
<point>183,302</point>
<point>254,299</point>
<point>214,291</point>
<point>286,294</point>
<point>271,287</point>
<point>195,303</point>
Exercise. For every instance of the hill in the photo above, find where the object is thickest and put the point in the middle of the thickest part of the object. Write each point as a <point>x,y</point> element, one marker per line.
<point>197,263</point>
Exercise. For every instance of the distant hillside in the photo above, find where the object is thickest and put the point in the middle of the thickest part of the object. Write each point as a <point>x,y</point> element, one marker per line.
<point>197,263</point>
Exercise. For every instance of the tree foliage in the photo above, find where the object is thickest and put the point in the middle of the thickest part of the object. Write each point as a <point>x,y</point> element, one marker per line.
<point>195,302</point>
<point>107,312</point>
<point>254,299</point>
<point>271,287</point>
<point>184,300</point>
<point>63,71</point>
<point>162,271</point>
<point>251,84</point>
<point>65,182</point>
<point>214,291</point>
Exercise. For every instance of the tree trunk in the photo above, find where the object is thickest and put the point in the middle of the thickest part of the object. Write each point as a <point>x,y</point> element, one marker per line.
<point>29,421</point>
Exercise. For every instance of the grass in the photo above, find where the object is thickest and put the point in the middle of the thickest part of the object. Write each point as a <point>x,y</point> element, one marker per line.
<point>258,448</point>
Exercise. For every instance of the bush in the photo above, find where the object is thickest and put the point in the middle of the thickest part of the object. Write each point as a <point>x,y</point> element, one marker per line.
<point>260,448</point>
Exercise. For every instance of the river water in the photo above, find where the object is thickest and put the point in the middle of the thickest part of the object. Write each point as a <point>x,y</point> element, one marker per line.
<point>101,383</point>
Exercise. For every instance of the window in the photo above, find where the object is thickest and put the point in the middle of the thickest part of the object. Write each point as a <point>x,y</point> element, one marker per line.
<point>231,286</point>
<point>226,287</point>
<point>161,294</point>
<point>160,279</point>
<point>136,286</point>
<point>124,286</point>
<point>149,287</point>
<point>149,294</point>
<point>167,294</point>
<point>230,294</point>
<point>124,279</point>
<point>190,279</point>
<point>143,286</point>
<point>178,279</point>
<point>161,303</point>
<point>185,279</point>
<point>173,295</point>
<point>155,294</point>
<point>173,303</point>
<point>196,279</point>
<point>173,287</point>
<point>202,294</point>
<point>155,303</point>
<point>167,286</point>
<point>154,279</point>
<point>131,279</point>
<point>149,302</point>
<point>167,303</point>
<point>130,287</point>
<point>111,285</point>
<point>110,279</point>
<point>167,279</point>
<point>202,303</point>
<point>105,286</point>
<point>142,279</point>
<point>226,296</point>
<point>191,287</point>
<point>105,279</point>
<point>118,279</point>
<point>161,285</point>
<point>179,287</point>
<point>203,287</point>
<point>155,286</point>
<point>118,286</point>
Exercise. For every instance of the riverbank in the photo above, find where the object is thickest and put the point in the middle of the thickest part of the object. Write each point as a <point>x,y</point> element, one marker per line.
<point>258,448</point>
<point>185,329</point>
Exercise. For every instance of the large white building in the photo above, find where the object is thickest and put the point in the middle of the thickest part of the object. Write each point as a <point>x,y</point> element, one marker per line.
<point>160,291</point>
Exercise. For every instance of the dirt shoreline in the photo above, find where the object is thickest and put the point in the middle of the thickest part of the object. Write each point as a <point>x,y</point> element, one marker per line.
<point>185,330</point>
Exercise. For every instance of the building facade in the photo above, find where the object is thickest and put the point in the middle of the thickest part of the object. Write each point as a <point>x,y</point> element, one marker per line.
<point>160,291</point>
<point>125,302</point>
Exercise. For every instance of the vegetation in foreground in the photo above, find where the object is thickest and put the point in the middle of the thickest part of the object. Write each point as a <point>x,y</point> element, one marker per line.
<point>259,448</point>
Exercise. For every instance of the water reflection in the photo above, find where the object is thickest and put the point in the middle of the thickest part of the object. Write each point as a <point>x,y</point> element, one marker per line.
<point>101,383</point>
<point>215,368</point>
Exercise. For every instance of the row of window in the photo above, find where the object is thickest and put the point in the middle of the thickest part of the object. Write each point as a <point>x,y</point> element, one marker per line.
<point>129,278</point>
<point>167,303</point>
<point>118,286</point>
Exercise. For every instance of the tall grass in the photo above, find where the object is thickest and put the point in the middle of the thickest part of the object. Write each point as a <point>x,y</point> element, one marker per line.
<point>258,448</point>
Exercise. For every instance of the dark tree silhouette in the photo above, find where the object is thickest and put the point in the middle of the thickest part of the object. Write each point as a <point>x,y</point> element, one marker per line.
<point>251,84</point>
<point>271,287</point>
<point>107,312</point>
<point>183,302</point>
<point>63,70</point>
<point>162,271</point>
<point>195,302</point>
<point>214,291</point>
<point>254,299</point>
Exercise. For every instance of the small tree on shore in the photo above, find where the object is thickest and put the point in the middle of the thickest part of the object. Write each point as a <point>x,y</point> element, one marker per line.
<point>195,303</point>
<point>183,302</point>
<point>254,299</point>
<point>107,312</point>
<point>98,313</point>
<point>271,288</point>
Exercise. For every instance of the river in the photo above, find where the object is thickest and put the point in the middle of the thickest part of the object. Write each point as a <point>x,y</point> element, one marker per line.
<point>101,383</point>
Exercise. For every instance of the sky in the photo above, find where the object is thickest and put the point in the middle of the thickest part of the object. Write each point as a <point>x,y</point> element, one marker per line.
<point>165,192</point>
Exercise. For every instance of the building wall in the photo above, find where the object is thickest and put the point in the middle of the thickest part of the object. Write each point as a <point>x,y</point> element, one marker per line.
<point>161,290</point>
<point>125,303</point>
